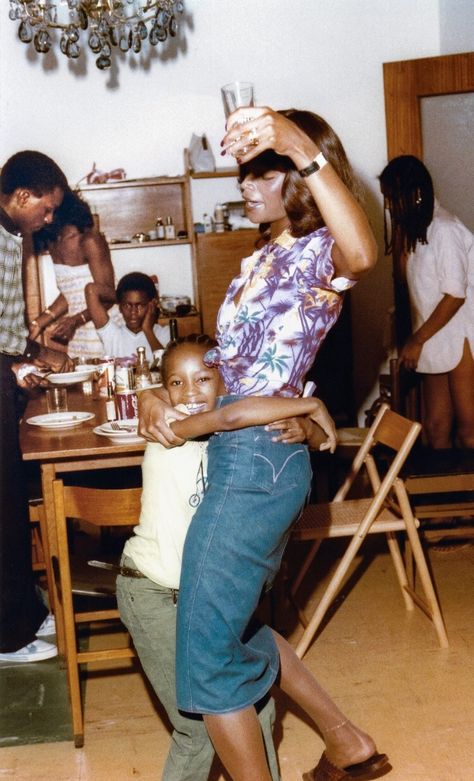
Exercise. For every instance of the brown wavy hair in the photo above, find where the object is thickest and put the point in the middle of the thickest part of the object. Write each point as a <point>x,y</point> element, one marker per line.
<point>300,206</point>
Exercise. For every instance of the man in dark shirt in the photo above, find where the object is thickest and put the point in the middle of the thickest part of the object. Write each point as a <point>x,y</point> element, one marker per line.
<point>31,187</point>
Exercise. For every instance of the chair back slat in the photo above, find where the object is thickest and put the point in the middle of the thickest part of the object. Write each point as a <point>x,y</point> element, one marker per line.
<point>114,507</point>
<point>361,455</point>
<point>393,429</point>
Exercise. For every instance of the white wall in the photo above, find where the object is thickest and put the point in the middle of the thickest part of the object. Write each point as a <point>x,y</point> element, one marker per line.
<point>325,55</point>
<point>456,24</point>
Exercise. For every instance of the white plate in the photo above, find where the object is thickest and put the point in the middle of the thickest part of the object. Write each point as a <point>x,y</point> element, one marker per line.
<point>128,432</point>
<point>70,378</point>
<point>60,419</point>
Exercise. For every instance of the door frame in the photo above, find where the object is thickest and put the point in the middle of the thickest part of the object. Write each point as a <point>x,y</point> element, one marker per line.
<point>406,82</point>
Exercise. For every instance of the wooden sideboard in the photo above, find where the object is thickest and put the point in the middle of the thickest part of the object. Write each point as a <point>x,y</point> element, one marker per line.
<point>218,259</point>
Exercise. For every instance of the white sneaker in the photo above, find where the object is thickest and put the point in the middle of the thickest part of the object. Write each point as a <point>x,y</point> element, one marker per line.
<point>36,651</point>
<point>48,627</point>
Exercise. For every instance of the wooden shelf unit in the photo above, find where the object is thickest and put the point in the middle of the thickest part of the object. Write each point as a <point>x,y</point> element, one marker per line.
<point>132,206</point>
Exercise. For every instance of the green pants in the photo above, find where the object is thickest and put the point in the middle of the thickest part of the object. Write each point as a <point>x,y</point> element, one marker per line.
<point>149,613</point>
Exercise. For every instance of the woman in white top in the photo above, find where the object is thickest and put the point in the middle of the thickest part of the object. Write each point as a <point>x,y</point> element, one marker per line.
<point>80,256</point>
<point>436,253</point>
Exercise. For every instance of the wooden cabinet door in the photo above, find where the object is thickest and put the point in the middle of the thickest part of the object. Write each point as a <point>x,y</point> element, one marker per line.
<point>219,256</point>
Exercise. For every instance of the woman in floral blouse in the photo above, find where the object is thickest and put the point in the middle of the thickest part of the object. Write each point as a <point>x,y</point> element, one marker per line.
<point>297,184</point>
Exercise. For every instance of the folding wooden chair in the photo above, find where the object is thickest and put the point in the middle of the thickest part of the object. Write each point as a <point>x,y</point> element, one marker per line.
<point>440,483</point>
<point>387,511</point>
<point>101,508</point>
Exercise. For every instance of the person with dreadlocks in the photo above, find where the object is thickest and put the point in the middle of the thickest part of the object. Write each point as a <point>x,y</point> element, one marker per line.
<point>435,254</point>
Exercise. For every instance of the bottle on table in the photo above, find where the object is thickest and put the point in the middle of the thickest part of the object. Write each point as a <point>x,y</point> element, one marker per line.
<point>142,371</point>
<point>173,329</point>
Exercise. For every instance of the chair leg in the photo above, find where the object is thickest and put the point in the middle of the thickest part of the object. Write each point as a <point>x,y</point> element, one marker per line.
<point>47,557</point>
<point>70,639</point>
<point>305,567</point>
<point>299,579</point>
<point>328,596</point>
<point>403,579</point>
<point>432,608</point>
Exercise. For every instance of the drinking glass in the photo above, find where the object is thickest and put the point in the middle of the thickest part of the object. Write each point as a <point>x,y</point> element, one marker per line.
<point>56,399</point>
<point>237,94</point>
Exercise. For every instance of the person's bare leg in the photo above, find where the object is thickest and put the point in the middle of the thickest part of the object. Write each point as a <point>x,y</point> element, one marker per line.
<point>461,384</point>
<point>438,412</point>
<point>345,743</point>
<point>237,738</point>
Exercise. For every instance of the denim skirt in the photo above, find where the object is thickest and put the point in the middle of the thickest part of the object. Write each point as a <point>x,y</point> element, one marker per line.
<point>227,661</point>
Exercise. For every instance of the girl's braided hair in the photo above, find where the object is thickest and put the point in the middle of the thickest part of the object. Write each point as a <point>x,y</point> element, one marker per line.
<point>198,339</point>
<point>409,199</point>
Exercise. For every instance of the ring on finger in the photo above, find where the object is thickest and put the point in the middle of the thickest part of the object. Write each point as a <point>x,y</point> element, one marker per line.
<point>253,138</point>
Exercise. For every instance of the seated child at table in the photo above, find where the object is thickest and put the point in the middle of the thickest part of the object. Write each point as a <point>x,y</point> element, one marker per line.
<point>136,298</point>
<point>173,484</point>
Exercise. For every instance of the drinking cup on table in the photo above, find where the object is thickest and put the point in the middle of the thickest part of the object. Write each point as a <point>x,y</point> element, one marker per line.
<point>237,94</point>
<point>56,399</point>
<point>126,403</point>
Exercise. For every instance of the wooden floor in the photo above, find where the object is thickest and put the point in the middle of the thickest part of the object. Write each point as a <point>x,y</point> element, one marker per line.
<point>382,665</point>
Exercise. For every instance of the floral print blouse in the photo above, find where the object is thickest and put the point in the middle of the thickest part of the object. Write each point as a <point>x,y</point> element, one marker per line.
<point>276,314</point>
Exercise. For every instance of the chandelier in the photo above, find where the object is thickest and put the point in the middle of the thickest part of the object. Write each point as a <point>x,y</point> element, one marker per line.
<point>123,24</point>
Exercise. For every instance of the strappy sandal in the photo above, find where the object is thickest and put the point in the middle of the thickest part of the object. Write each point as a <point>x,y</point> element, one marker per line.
<point>373,767</point>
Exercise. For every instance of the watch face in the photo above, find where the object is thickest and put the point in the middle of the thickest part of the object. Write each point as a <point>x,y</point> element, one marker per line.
<point>310,169</point>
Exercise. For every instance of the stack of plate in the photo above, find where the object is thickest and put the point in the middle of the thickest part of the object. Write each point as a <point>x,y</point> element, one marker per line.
<point>120,431</point>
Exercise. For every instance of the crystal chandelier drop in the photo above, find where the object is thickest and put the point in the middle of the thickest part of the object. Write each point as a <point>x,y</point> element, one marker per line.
<point>123,24</point>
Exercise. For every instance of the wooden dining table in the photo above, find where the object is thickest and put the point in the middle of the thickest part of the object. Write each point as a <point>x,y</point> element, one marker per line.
<point>72,449</point>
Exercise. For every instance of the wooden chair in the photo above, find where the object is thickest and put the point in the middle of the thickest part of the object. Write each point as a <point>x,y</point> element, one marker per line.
<point>101,508</point>
<point>387,511</point>
<point>440,483</point>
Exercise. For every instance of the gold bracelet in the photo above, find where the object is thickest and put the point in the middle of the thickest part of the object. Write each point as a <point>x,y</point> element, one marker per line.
<point>34,322</point>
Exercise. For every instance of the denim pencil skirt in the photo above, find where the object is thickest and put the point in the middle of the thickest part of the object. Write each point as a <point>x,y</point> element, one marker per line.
<point>256,487</point>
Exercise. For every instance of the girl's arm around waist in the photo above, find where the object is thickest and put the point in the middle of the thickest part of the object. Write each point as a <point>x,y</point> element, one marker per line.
<point>256,411</point>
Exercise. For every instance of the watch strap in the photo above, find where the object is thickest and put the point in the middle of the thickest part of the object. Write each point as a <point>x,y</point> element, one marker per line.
<point>318,163</point>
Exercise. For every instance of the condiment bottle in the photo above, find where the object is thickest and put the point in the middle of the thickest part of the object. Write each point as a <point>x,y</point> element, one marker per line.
<point>170,232</point>
<point>207,222</point>
<point>160,228</point>
<point>142,372</point>
<point>219,218</point>
<point>110,411</point>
